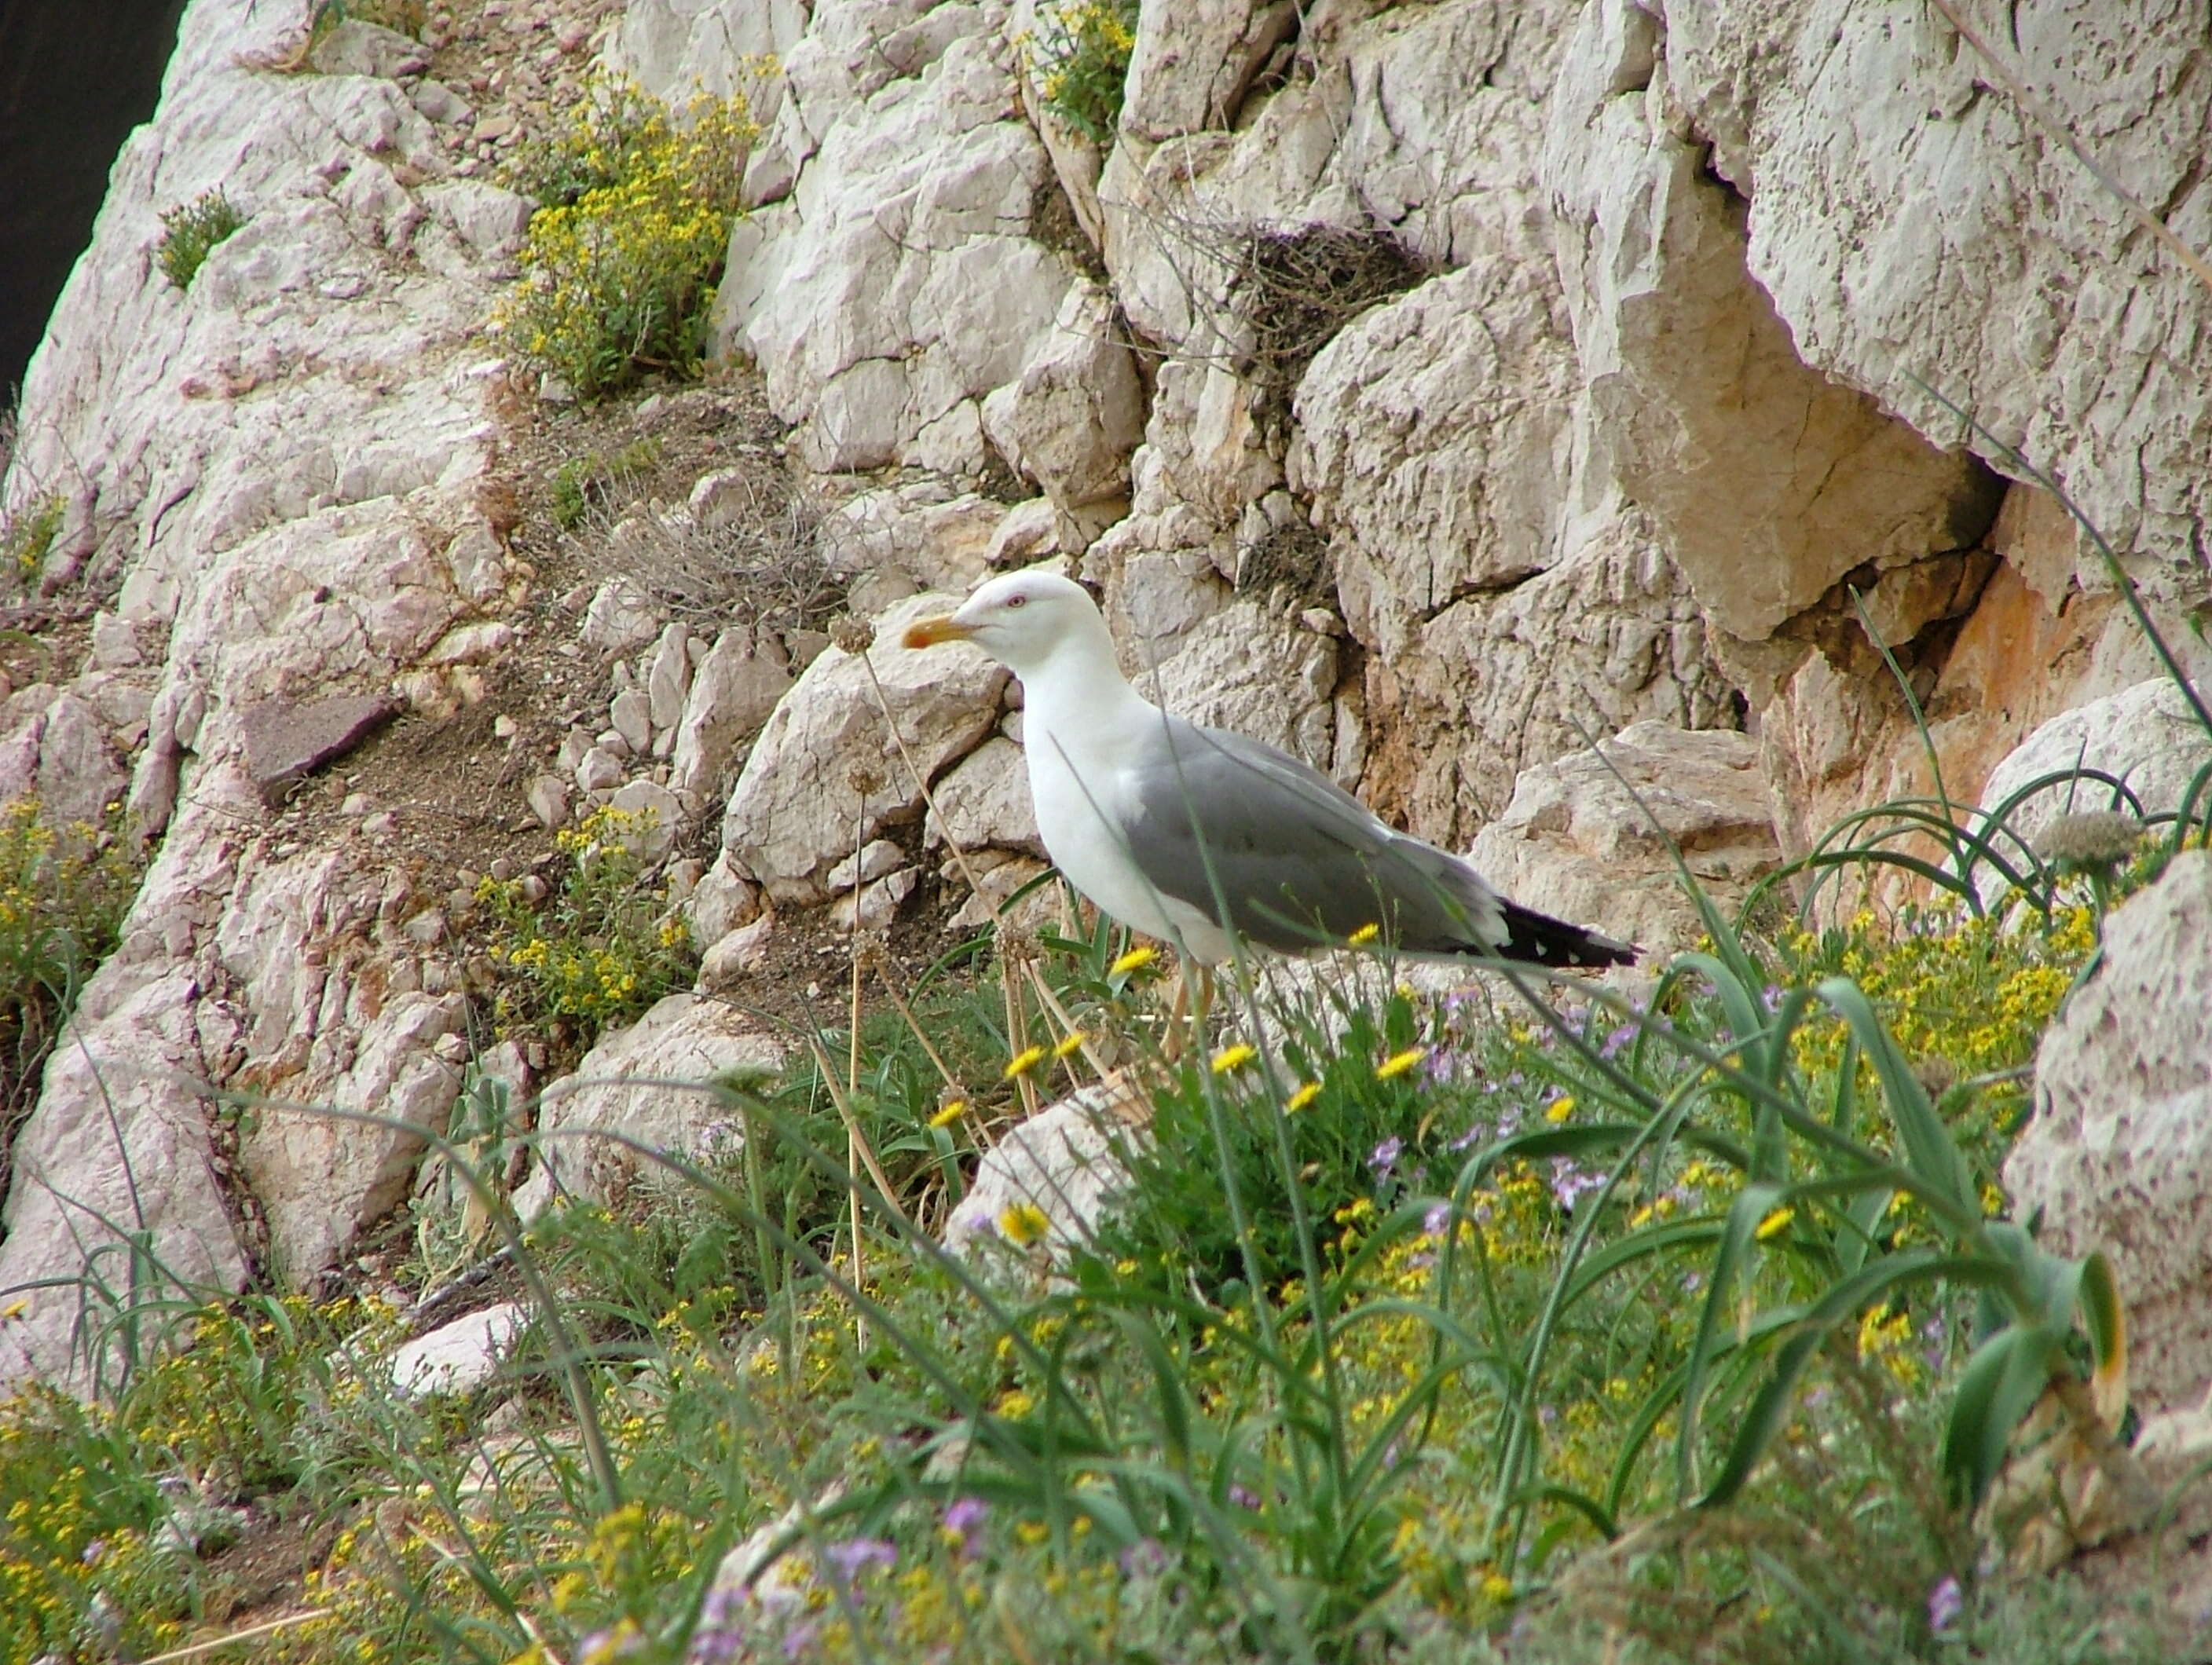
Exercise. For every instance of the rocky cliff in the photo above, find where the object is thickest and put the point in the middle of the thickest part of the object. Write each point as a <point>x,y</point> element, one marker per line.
<point>1436,389</point>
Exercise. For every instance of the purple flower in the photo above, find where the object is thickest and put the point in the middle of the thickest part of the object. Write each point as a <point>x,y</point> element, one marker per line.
<point>800,1637</point>
<point>1617,1042</point>
<point>1384,1156</point>
<point>1570,1182</point>
<point>719,1637</point>
<point>1243,1498</point>
<point>963,1519</point>
<point>1143,1559</point>
<point>855,1555</point>
<point>1438,1220</point>
<point>1944,1603</point>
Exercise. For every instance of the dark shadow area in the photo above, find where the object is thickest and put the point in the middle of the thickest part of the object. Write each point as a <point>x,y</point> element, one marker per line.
<point>74,79</point>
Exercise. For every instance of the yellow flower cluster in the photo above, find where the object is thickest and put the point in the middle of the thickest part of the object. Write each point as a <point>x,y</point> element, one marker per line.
<point>619,267</point>
<point>1081,60</point>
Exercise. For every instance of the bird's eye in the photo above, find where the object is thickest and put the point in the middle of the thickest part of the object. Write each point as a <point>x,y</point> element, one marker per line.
<point>1017,601</point>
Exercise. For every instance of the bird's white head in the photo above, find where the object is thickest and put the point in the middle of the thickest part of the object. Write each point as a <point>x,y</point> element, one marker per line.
<point>1027,621</point>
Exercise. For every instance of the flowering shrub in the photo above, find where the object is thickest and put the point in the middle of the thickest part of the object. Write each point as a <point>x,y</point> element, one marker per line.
<point>1081,61</point>
<point>190,231</point>
<point>27,537</point>
<point>620,263</point>
<point>602,950</point>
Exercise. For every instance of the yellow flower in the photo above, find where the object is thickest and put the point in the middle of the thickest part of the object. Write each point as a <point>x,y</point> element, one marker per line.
<point>1775,1223</point>
<point>1496,1589</point>
<point>1399,1062</point>
<point>1363,935</point>
<point>1024,1061</point>
<point>953,1111</point>
<point>1559,1110</point>
<point>1135,960</point>
<point>14,1310</point>
<point>1022,1224</point>
<point>1303,1096</point>
<point>1233,1058</point>
<point>1071,1046</point>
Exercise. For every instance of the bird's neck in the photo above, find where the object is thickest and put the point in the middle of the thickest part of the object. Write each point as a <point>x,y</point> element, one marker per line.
<point>1080,695</point>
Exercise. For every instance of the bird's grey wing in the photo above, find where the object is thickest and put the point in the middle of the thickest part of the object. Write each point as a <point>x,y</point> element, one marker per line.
<point>1298,861</point>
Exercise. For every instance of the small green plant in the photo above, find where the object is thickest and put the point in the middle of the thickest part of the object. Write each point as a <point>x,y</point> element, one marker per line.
<point>189,231</point>
<point>620,263</point>
<point>1081,60</point>
<point>406,17</point>
<point>583,481</point>
<point>603,948</point>
<point>62,893</point>
<point>29,536</point>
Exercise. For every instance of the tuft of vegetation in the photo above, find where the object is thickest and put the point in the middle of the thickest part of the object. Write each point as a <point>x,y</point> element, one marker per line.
<point>406,17</point>
<point>1080,59</point>
<point>28,538</point>
<point>189,231</point>
<point>600,949</point>
<point>620,262</point>
<point>63,894</point>
<point>581,483</point>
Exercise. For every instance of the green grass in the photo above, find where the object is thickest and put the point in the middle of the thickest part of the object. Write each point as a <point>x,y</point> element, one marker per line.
<point>1542,1323</point>
<point>1525,1320</point>
<point>190,231</point>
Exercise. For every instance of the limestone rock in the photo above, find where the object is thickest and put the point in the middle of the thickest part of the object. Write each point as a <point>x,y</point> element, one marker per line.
<point>1064,1160</point>
<point>624,1086</point>
<point>1071,419</point>
<point>620,618</point>
<point>732,693</point>
<point>2018,288</point>
<point>354,48</point>
<point>1691,374</point>
<point>660,817</point>
<point>1251,670</point>
<point>458,1357</point>
<point>984,801</point>
<point>1434,433</point>
<point>941,539</point>
<point>322,1180</point>
<point>721,902</point>
<point>736,954</point>
<point>898,284</point>
<point>795,812</point>
<point>866,864</point>
<point>1193,63</point>
<point>2117,1155</point>
<point>2147,735</point>
<point>288,741</point>
<point>874,906</point>
<point>1575,843</point>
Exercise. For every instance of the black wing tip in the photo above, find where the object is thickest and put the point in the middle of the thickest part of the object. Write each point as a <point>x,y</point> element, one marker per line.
<point>1543,940</point>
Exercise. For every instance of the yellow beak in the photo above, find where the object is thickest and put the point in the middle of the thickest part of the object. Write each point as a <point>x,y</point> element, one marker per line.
<point>929,632</point>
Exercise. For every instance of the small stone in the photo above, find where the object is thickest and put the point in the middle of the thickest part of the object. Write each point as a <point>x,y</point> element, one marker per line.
<point>615,743</point>
<point>460,1357</point>
<point>736,954</point>
<point>632,718</point>
<point>871,863</point>
<point>502,868</point>
<point>426,930</point>
<point>598,770</point>
<point>286,740</point>
<point>382,824</point>
<point>503,728</point>
<point>356,803</point>
<point>534,889</point>
<point>547,795</point>
<point>114,643</point>
<point>619,618</point>
<point>874,907</point>
<point>663,816</point>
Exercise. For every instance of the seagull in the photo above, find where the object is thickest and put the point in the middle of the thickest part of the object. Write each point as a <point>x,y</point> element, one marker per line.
<point>1200,836</point>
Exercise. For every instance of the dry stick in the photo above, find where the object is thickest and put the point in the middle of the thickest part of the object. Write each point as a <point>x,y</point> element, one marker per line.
<point>853,1082</point>
<point>2028,102</point>
<point>1017,1030</point>
<point>853,1129</point>
<point>175,1654</point>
